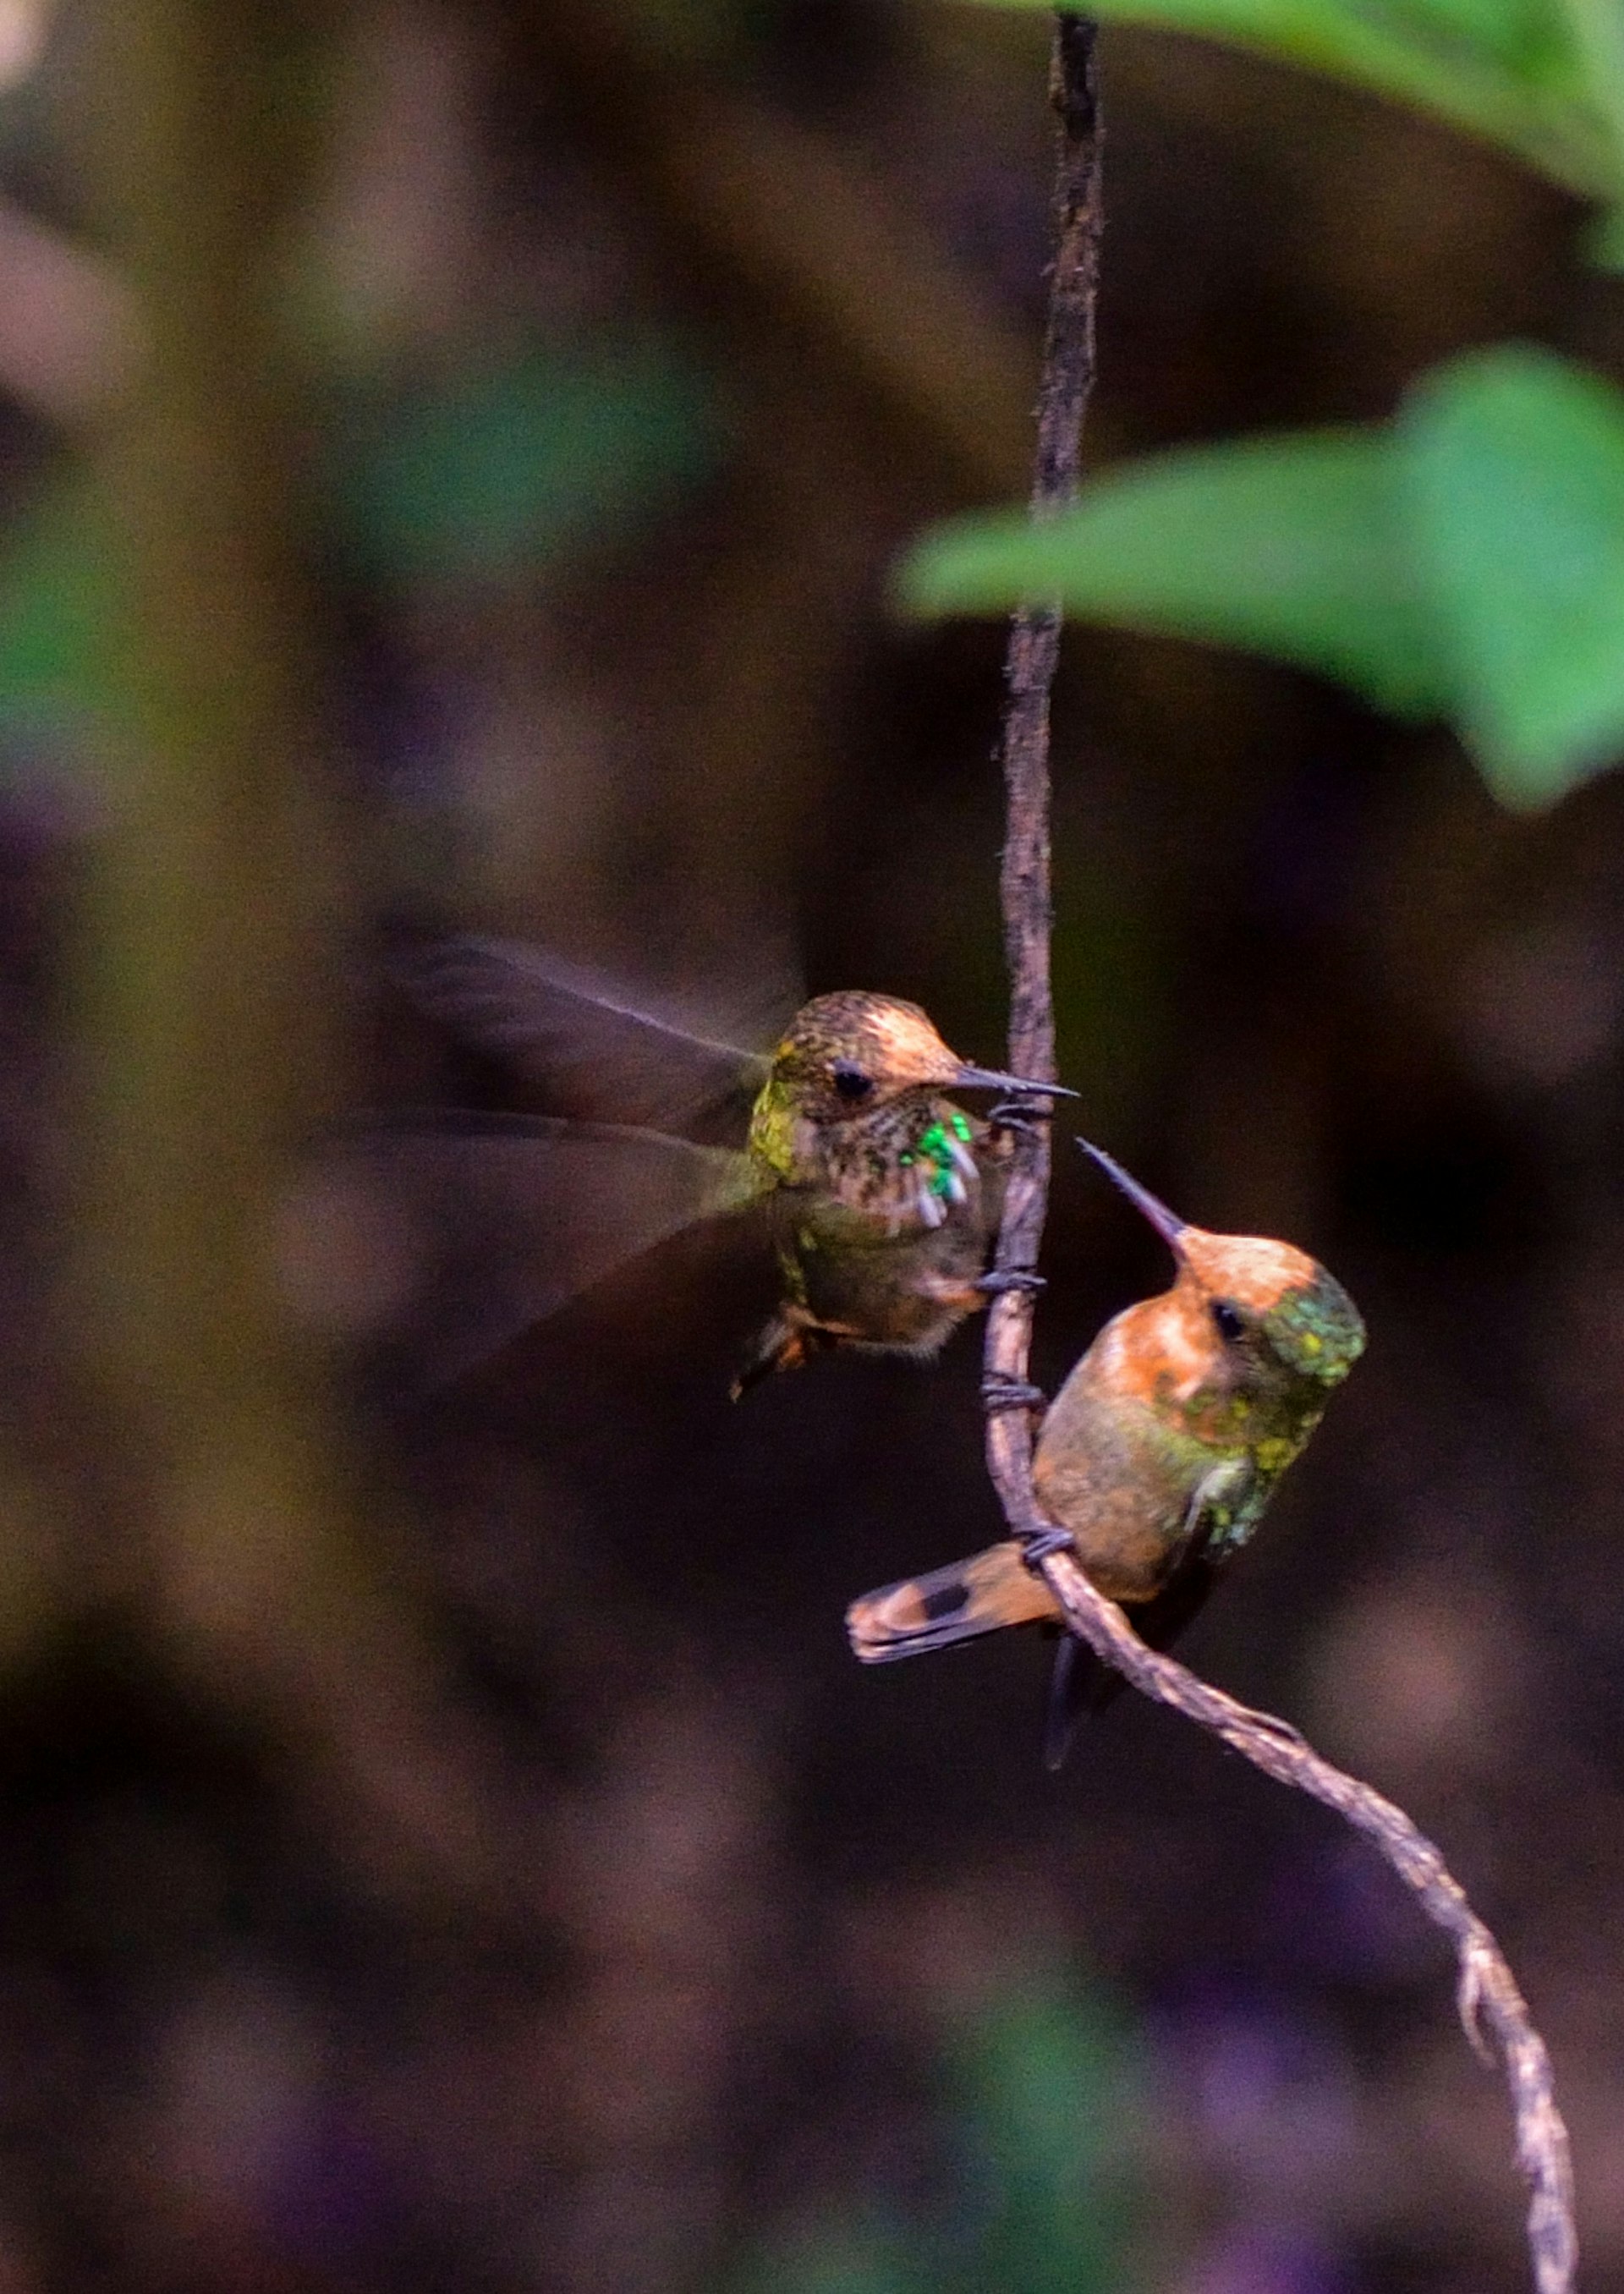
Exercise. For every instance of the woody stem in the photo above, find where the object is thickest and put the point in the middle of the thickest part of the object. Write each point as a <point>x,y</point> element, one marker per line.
<point>1491,2006</point>
<point>1066,381</point>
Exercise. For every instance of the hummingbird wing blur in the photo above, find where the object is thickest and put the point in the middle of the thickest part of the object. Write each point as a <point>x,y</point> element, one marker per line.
<point>595,1052</point>
<point>453,1233</point>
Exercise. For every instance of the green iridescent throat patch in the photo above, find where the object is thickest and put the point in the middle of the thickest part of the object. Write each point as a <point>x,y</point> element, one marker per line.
<point>936,1149</point>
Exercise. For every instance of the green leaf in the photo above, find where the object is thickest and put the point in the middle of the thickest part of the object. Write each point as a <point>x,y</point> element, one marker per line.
<point>1290,546</point>
<point>1597,27</point>
<point>1524,74</point>
<point>1602,243</point>
<point>1513,465</point>
<point>1468,561</point>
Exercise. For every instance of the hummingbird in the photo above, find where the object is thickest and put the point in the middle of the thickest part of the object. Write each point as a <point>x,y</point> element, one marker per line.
<point>881,1195</point>
<point>1159,1455</point>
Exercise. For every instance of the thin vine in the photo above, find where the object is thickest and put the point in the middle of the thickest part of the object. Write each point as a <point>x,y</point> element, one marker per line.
<point>1492,2009</point>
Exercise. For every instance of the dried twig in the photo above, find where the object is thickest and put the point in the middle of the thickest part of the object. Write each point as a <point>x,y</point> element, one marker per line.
<point>1487,1993</point>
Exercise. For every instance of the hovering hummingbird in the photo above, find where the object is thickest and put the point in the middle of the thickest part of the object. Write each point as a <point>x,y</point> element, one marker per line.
<point>881,1193</point>
<point>1158,1454</point>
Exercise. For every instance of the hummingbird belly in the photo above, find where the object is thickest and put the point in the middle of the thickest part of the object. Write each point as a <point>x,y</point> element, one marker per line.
<point>905,1292</point>
<point>1127,1488</point>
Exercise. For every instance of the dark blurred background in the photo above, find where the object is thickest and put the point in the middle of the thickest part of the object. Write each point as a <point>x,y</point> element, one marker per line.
<point>451,454</point>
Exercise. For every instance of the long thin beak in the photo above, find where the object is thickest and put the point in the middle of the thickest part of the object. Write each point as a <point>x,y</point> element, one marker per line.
<point>1161,1218</point>
<point>991,1079</point>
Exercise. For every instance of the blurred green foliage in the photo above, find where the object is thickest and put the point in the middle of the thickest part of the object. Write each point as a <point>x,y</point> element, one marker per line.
<point>1290,546</point>
<point>854,2255</point>
<point>1466,560</point>
<point>1513,470</point>
<point>58,596</point>
<point>1037,2092</point>
<point>480,473</point>
<point>475,475</point>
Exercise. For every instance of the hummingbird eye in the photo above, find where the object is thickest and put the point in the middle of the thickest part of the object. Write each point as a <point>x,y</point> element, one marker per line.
<point>851,1082</point>
<point>1228,1322</point>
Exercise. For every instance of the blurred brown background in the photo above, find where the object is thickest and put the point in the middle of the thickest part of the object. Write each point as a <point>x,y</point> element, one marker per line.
<point>449,458</point>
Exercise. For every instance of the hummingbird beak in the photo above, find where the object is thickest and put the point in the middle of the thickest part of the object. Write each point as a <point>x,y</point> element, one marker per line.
<point>991,1079</point>
<point>1161,1218</point>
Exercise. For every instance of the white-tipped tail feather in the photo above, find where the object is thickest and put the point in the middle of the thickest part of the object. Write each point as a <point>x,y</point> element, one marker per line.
<point>981,1595</point>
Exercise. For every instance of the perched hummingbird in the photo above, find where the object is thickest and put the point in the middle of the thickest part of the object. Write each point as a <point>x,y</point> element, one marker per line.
<point>881,1195</point>
<point>1158,1454</point>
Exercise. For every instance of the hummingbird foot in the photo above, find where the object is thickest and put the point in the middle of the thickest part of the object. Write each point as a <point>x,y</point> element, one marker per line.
<point>1011,1394</point>
<point>788,1342</point>
<point>1013,1278</point>
<point>1037,1548</point>
<point>1021,1115</point>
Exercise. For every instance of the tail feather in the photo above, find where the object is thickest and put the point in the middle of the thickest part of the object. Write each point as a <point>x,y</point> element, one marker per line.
<point>982,1595</point>
<point>1068,1701</point>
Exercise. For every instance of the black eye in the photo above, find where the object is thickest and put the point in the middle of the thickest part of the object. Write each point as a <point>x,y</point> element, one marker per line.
<point>851,1082</point>
<point>1227,1322</point>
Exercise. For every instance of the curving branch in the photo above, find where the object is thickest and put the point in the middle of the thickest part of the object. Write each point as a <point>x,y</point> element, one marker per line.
<point>1492,2010</point>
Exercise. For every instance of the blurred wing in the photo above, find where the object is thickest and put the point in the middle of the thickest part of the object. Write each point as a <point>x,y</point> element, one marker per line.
<point>594,1050</point>
<point>453,1235</point>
